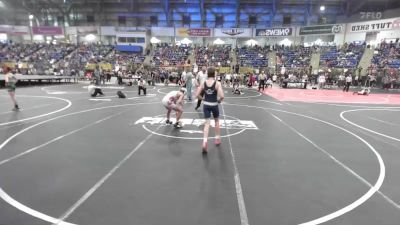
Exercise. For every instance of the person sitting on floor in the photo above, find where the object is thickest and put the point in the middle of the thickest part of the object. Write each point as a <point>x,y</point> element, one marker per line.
<point>364,91</point>
<point>94,90</point>
<point>269,83</point>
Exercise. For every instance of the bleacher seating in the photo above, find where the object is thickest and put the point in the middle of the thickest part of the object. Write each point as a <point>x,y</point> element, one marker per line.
<point>213,56</point>
<point>17,52</point>
<point>294,56</point>
<point>171,55</point>
<point>347,57</point>
<point>88,54</point>
<point>253,56</point>
<point>388,55</point>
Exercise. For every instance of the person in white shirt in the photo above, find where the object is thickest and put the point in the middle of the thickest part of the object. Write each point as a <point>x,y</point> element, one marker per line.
<point>372,80</point>
<point>304,79</point>
<point>341,80</point>
<point>261,79</point>
<point>356,80</point>
<point>174,101</point>
<point>183,78</point>
<point>228,78</point>
<point>349,79</point>
<point>274,78</point>
<point>195,68</point>
<point>269,83</point>
<point>94,90</point>
<point>321,81</point>
<point>189,83</point>
<point>200,79</point>
<point>142,86</point>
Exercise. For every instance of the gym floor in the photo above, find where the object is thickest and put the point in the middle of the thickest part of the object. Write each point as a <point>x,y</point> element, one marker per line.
<point>67,158</point>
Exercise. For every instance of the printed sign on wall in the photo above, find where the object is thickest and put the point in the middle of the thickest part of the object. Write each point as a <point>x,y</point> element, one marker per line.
<point>274,32</point>
<point>193,32</point>
<point>322,29</point>
<point>233,32</point>
<point>377,25</point>
<point>14,30</point>
<point>47,30</point>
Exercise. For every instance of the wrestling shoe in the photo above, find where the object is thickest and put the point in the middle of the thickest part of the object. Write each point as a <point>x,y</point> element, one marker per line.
<point>16,108</point>
<point>178,125</point>
<point>204,148</point>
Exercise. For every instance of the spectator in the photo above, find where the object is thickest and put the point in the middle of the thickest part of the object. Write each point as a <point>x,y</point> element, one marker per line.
<point>142,86</point>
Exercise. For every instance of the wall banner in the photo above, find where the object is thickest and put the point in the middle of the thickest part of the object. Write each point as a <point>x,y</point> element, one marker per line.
<point>14,30</point>
<point>274,32</point>
<point>193,32</point>
<point>321,29</point>
<point>47,30</point>
<point>233,32</point>
<point>374,26</point>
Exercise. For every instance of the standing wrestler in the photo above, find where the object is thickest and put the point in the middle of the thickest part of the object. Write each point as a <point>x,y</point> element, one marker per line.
<point>213,94</point>
<point>174,101</point>
<point>11,81</point>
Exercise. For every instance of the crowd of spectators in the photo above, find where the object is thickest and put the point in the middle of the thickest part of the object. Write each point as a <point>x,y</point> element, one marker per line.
<point>213,55</point>
<point>348,56</point>
<point>292,61</point>
<point>18,52</point>
<point>255,56</point>
<point>47,57</point>
<point>387,55</point>
<point>167,55</point>
<point>293,56</point>
<point>87,54</point>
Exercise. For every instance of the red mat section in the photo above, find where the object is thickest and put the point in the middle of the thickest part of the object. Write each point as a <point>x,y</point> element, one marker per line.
<point>331,96</point>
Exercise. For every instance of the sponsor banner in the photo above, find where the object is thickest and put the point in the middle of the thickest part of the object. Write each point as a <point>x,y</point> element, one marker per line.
<point>163,31</point>
<point>321,29</point>
<point>374,26</point>
<point>47,30</point>
<point>5,28</point>
<point>14,30</point>
<point>130,29</point>
<point>86,30</point>
<point>20,30</point>
<point>108,31</point>
<point>233,32</point>
<point>274,32</point>
<point>193,32</point>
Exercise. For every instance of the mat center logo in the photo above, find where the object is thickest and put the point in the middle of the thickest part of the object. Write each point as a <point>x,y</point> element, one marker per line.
<point>193,127</point>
